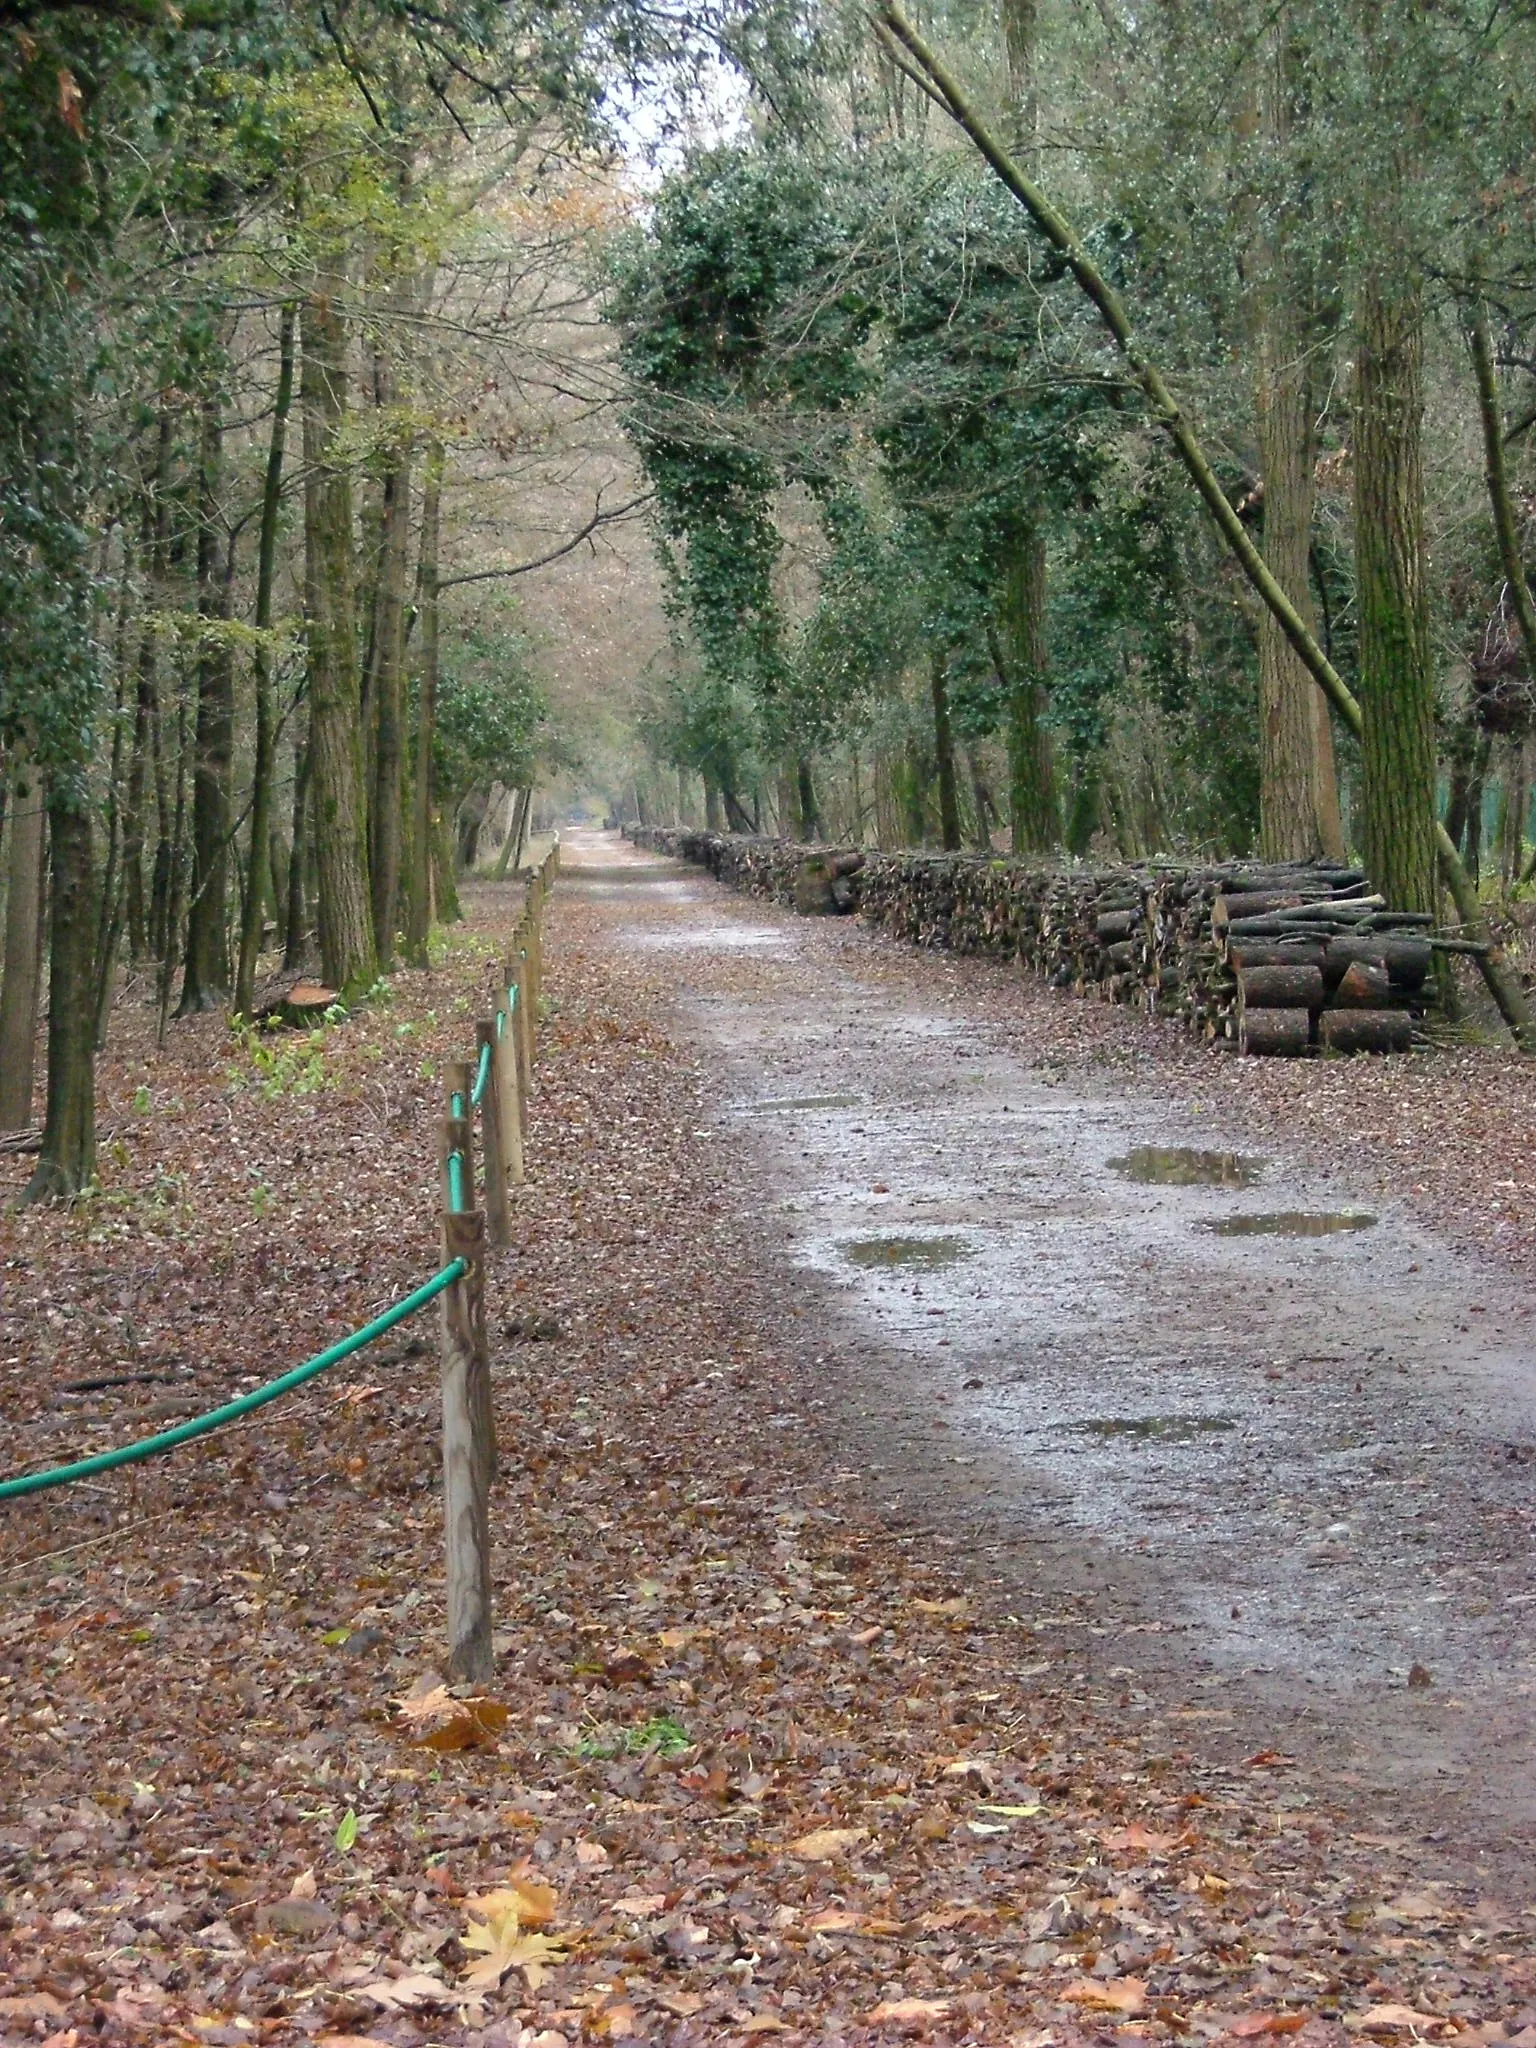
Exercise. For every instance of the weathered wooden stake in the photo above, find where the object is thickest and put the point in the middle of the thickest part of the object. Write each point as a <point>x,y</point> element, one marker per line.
<point>469,1440</point>
<point>498,1219</point>
<point>458,1079</point>
<point>509,1093</point>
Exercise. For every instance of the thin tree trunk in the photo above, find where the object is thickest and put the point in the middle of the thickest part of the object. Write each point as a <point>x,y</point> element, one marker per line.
<point>23,948</point>
<point>1476,794</point>
<point>517,829</point>
<point>261,869</point>
<point>421,905</point>
<point>156,524</point>
<point>68,1158</point>
<point>340,822</point>
<point>1397,809</point>
<point>805,800</point>
<point>714,820</point>
<point>1491,414</point>
<point>1019,655</point>
<point>944,751</point>
<point>982,797</point>
<point>295,923</point>
<point>206,982</point>
<point>175,871</point>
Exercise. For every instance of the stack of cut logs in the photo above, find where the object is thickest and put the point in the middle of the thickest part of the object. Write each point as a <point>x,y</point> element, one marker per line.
<point>1286,958</point>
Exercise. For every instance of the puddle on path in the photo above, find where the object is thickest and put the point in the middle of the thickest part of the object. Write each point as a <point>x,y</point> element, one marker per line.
<point>907,1251</point>
<point>1292,1223</point>
<point>1168,1429</point>
<point>711,938</point>
<point>1182,1166</point>
<point>793,1102</point>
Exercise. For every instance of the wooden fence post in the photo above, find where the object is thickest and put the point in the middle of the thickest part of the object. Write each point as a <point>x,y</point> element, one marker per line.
<point>458,1080</point>
<point>498,1219</point>
<point>509,1094</point>
<point>524,971</point>
<point>469,1441</point>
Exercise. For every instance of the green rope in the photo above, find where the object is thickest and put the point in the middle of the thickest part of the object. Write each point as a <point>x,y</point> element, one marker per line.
<point>482,1076</point>
<point>168,1439</point>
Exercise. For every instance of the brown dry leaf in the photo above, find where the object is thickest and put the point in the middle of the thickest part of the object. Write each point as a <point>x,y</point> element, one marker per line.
<point>1138,1837</point>
<point>32,2005</point>
<point>1387,2018</point>
<point>824,1845</point>
<point>681,2004</point>
<point>835,1920</point>
<point>951,1609</point>
<point>907,2012</point>
<point>350,2041</point>
<point>591,1855</point>
<point>643,1905</point>
<point>1253,2024</point>
<point>761,2023</point>
<point>303,1886</point>
<point>436,1720</point>
<point>1107,1994</point>
<point>401,1994</point>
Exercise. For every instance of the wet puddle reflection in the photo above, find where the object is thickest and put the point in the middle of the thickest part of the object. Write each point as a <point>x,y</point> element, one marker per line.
<point>1292,1223</point>
<point>1168,1429</point>
<point>792,1102</point>
<point>907,1251</point>
<point>1182,1166</point>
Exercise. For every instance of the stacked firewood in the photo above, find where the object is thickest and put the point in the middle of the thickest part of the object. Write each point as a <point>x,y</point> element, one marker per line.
<point>1284,958</point>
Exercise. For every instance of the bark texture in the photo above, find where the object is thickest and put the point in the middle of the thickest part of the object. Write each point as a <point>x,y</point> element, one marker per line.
<point>338,816</point>
<point>68,1157</point>
<point>206,982</point>
<point>421,907</point>
<point>1397,807</point>
<point>23,949</point>
<point>1020,658</point>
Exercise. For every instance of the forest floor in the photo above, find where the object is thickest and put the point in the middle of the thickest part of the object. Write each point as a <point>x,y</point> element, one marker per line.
<point>823,1722</point>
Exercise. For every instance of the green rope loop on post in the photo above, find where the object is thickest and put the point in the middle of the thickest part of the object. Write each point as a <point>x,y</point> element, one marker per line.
<point>482,1077</point>
<point>200,1425</point>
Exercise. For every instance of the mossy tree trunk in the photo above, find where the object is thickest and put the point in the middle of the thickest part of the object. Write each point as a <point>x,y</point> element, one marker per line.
<point>338,814</point>
<point>206,980</point>
<point>1019,654</point>
<point>68,1158</point>
<point>1396,816</point>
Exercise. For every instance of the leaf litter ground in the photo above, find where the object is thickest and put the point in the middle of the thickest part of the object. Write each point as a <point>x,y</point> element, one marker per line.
<point>764,1767</point>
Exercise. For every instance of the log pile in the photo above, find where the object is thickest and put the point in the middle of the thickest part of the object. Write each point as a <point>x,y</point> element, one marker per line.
<point>1286,958</point>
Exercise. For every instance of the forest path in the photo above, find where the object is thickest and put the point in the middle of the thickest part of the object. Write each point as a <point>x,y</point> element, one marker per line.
<point>1251,1479</point>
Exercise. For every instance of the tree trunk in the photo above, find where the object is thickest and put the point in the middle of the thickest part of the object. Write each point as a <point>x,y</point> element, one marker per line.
<point>944,750</point>
<point>1019,655</point>
<point>146,710</point>
<point>295,921</point>
<point>385,816</point>
<point>714,817</point>
<point>1298,790</point>
<point>340,824</point>
<point>69,1129</point>
<point>805,800</point>
<point>23,949</point>
<point>1397,808</point>
<point>206,982</point>
<point>266,728</point>
<point>175,872</point>
<point>421,905</point>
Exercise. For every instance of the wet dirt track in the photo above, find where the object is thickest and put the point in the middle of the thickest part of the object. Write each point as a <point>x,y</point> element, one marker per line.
<point>1256,1481</point>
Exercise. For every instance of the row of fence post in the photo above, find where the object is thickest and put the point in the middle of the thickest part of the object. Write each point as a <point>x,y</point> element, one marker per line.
<point>497,1083</point>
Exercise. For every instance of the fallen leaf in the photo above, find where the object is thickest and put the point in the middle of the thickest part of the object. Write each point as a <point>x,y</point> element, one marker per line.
<point>436,1720</point>
<point>1012,1812</point>
<point>1269,1759</point>
<point>32,2005</point>
<point>591,1855</point>
<point>952,1609</point>
<point>1107,1994</point>
<point>823,1845</point>
<point>681,2004</point>
<point>835,1920</point>
<point>303,1886</point>
<point>643,1905</point>
<point>1385,2018</point>
<point>350,2041</point>
<point>497,1934</point>
<point>1138,1837</point>
<point>761,2023</point>
<point>1253,2024</point>
<point>400,1994</point>
<point>907,2012</point>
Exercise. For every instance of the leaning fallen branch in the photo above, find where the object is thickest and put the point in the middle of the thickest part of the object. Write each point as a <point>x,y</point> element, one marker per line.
<point>912,55</point>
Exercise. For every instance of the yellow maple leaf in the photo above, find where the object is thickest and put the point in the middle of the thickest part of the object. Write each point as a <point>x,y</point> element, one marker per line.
<point>497,1935</point>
